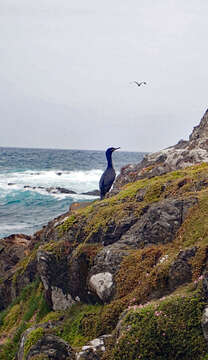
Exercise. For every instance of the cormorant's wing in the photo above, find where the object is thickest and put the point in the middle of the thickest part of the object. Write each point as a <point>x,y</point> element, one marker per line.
<point>106,181</point>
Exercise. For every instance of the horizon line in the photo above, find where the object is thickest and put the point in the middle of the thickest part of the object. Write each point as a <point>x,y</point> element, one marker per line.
<point>67,149</point>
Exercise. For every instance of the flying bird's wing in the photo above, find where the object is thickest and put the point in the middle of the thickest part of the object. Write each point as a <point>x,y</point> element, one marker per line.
<point>139,84</point>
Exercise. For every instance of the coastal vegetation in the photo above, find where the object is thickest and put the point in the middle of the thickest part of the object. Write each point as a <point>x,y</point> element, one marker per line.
<point>154,311</point>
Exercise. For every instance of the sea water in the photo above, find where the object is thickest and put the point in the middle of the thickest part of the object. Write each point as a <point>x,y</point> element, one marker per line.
<point>29,179</point>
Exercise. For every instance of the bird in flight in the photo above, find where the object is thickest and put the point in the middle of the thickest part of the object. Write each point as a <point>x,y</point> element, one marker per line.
<point>139,83</point>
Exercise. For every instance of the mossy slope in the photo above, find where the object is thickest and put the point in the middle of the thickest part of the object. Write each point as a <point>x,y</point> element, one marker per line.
<point>166,329</point>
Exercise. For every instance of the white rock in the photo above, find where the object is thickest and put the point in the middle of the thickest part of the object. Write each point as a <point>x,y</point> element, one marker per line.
<point>97,342</point>
<point>204,323</point>
<point>163,259</point>
<point>102,284</point>
<point>94,347</point>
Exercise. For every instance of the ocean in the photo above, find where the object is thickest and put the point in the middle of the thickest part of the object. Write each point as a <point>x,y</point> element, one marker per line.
<point>34,183</point>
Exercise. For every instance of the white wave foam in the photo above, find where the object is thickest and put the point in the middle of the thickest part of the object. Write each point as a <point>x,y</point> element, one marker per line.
<point>13,227</point>
<point>78,181</point>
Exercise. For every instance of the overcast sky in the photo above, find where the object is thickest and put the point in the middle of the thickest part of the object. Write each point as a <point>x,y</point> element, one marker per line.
<point>66,68</point>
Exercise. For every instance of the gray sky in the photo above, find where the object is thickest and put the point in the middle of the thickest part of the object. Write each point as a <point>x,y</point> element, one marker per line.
<point>66,68</point>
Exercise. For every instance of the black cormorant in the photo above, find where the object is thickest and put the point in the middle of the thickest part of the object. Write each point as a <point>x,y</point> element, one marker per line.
<point>109,174</point>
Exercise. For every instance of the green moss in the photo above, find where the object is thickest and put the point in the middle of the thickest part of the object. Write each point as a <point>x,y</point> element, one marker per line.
<point>43,308</point>
<point>59,249</point>
<point>168,331</point>
<point>135,269</point>
<point>23,264</point>
<point>39,357</point>
<point>88,250</point>
<point>12,317</point>
<point>8,350</point>
<point>53,247</point>
<point>198,262</point>
<point>66,225</point>
<point>32,339</point>
<point>72,329</point>
<point>9,316</point>
<point>107,320</point>
<point>52,316</point>
<point>28,308</point>
<point>194,230</point>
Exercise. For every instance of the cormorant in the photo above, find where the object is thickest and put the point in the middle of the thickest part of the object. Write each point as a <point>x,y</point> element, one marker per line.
<point>140,83</point>
<point>109,174</point>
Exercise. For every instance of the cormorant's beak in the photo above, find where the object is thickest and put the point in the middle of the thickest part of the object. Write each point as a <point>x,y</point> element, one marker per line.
<point>116,148</point>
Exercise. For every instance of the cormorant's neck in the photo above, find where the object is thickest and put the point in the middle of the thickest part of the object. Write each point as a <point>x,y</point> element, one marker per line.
<point>109,160</point>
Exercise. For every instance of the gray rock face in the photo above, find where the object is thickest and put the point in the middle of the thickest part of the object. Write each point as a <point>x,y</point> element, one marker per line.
<point>204,323</point>
<point>159,224</point>
<point>55,278</point>
<point>64,279</point>
<point>200,132</point>
<point>53,347</point>
<point>73,277</point>
<point>13,249</point>
<point>50,346</point>
<point>180,271</point>
<point>105,266</point>
<point>60,300</point>
<point>109,259</point>
<point>179,156</point>
<point>205,284</point>
<point>113,232</point>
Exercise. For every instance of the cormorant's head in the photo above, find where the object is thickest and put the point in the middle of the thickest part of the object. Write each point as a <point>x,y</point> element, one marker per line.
<point>111,150</point>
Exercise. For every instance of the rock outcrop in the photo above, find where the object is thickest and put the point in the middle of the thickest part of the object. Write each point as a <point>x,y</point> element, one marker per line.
<point>179,156</point>
<point>13,250</point>
<point>36,343</point>
<point>94,349</point>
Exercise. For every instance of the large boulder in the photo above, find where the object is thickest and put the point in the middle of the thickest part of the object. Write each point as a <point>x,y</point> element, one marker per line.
<point>36,342</point>
<point>51,347</point>
<point>113,232</point>
<point>180,271</point>
<point>64,278</point>
<point>13,250</point>
<point>159,223</point>
<point>55,278</point>
<point>101,278</point>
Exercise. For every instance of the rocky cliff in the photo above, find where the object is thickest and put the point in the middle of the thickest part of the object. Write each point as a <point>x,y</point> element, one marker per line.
<point>179,156</point>
<point>121,278</point>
